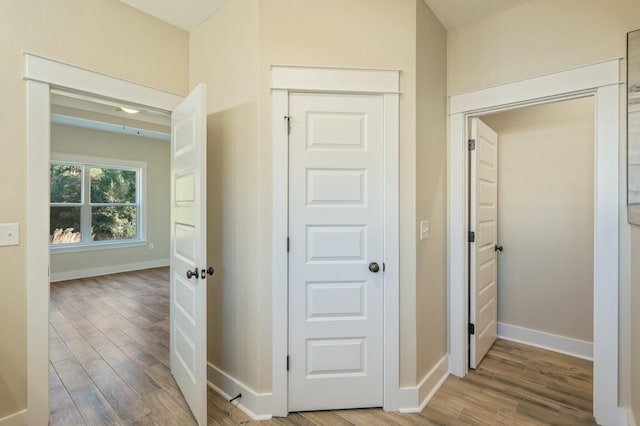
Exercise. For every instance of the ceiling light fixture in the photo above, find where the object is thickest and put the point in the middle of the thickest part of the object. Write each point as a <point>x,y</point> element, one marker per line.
<point>129,110</point>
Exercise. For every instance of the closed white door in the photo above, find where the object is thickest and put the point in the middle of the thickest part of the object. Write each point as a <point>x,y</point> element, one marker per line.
<point>336,251</point>
<point>188,317</point>
<point>483,309</point>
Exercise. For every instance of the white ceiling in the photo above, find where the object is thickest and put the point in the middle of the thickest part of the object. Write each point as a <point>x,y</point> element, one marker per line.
<point>188,14</point>
<point>185,14</point>
<point>456,13</point>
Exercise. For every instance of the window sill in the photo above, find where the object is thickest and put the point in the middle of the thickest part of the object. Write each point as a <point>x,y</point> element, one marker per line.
<point>78,248</point>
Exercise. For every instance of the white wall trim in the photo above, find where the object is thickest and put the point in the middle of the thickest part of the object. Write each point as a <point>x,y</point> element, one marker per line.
<point>107,270</point>
<point>40,75</point>
<point>61,75</point>
<point>284,80</point>
<point>15,419</point>
<point>549,85</point>
<point>601,81</point>
<point>253,404</point>
<point>552,342</point>
<point>429,385</point>
<point>85,123</point>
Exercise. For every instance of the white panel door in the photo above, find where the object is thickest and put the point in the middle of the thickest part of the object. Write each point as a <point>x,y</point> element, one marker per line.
<point>336,247</point>
<point>483,300</point>
<point>188,318</point>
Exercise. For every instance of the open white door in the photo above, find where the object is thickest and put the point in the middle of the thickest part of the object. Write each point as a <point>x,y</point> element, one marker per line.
<point>189,251</point>
<point>483,271</point>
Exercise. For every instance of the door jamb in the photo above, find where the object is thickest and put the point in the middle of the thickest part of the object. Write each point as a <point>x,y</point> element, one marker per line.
<point>601,80</point>
<point>41,75</point>
<point>286,79</point>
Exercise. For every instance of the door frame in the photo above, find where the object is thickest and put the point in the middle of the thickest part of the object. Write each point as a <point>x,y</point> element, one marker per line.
<point>286,79</point>
<point>602,81</point>
<point>41,75</point>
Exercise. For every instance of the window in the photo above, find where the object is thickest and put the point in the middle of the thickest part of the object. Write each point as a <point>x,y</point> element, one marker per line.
<point>95,202</point>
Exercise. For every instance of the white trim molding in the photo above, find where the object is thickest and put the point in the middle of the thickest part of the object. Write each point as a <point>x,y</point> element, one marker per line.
<point>602,82</point>
<point>108,270</point>
<point>41,76</point>
<point>552,342</point>
<point>255,405</point>
<point>286,79</point>
<point>429,385</point>
<point>15,419</point>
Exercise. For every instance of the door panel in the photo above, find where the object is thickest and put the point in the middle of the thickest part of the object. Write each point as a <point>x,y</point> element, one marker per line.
<point>483,300</point>
<point>336,230</point>
<point>188,316</point>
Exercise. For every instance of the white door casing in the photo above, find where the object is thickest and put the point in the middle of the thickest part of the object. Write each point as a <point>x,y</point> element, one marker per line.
<point>483,259</point>
<point>188,256</point>
<point>336,230</point>
<point>42,74</point>
<point>611,267</point>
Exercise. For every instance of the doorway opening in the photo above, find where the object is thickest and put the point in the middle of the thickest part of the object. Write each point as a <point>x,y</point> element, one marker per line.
<point>602,82</point>
<point>531,216</point>
<point>188,183</point>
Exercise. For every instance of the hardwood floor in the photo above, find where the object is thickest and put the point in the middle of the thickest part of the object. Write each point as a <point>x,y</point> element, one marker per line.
<point>109,339</point>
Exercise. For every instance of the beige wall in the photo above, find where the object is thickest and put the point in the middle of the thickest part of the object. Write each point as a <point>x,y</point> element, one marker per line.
<point>635,321</point>
<point>543,36</point>
<point>96,143</point>
<point>359,34</point>
<point>224,54</point>
<point>545,217</point>
<point>233,52</point>
<point>104,35</point>
<point>431,187</point>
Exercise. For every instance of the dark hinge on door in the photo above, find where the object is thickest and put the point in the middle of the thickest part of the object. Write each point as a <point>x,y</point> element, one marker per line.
<point>288,244</point>
<point>287,362</point>
<point>472,329</point>
<point>288,118</point>
<point>472,237</point>
<point>472,144</point>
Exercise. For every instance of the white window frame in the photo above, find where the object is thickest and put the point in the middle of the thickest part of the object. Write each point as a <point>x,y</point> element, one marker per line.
<point>87,162</point>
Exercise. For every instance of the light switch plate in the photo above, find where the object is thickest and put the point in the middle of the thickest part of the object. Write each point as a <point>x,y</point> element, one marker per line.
<point>424,229</point>
<point>9,234</point>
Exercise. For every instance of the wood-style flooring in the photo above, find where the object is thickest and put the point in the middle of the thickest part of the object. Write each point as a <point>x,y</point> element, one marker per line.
<point>109,353</point>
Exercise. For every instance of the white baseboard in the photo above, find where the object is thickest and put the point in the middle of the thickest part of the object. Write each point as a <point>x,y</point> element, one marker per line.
<point>429,385</point>
<point>255,405</point>
<point>552,342</point>
<point>15,419</point>
<point>106,270</point>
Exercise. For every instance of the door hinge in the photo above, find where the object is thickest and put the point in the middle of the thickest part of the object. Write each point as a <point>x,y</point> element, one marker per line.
<point>288,244</point>
<point>288,118</point>
<point>472,329</point>
<point>471,144</point>
<point>384,267</point>
<point>471,237</point>
<point>287,362</point>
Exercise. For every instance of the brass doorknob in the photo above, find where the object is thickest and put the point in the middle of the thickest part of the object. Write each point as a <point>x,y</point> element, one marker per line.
<point>374,267</point>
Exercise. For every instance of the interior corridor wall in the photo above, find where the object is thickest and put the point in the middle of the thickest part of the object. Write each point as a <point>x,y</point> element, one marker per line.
<point>379,34</point>
<point>102,35</point>
<point>546,36</point>
<point>545,217</point>
<point>155,153</point>
<point>224,55</point>
<point>431,190</point>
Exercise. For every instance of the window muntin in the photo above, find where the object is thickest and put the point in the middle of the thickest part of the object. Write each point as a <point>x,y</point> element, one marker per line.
<point>93,204</point>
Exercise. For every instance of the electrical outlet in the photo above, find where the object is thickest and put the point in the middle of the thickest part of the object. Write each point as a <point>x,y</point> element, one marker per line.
<point>424,229</point>
<point>9,234</point>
